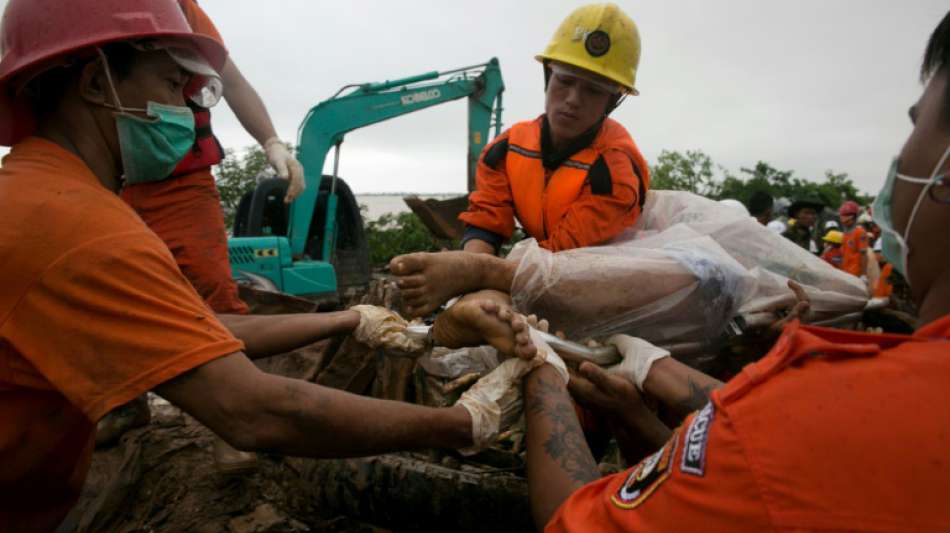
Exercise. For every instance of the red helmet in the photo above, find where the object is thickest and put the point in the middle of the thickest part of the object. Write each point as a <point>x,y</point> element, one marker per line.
<point>36,34</point>
<point>849,208</point>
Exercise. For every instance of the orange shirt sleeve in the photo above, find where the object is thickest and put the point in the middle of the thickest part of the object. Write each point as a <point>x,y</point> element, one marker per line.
<point>699,481</point>
<point>490,205</point>
<point>199,21</point>
<point>125,317</point>
<point>594,219</point>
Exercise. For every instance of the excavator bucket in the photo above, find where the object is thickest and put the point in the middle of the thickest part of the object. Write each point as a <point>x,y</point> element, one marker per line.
<point>440,216</point>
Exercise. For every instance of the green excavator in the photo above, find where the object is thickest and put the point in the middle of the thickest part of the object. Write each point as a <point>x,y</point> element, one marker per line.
<point>317,244</point>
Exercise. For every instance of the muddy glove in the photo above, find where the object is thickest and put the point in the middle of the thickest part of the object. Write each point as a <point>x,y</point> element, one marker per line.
<point>638,357</point>
<point>495,400</point>
<point>381,328</point>
<point>286,166</point>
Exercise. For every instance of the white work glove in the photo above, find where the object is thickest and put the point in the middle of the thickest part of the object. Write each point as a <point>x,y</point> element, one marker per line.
<point>381,328</point>
<point>495,400</point>
<point>638,357</point>
<point>286,166</point>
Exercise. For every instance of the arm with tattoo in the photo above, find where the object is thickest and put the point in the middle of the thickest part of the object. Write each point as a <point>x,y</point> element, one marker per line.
<point>559,461</point>
<point>680,387</point>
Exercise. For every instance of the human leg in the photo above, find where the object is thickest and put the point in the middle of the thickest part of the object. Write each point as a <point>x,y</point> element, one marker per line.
<point>428,280</point>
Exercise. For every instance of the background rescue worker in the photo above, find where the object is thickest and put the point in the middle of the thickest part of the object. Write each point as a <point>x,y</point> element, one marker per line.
<point>832,252</point>
<point>760,206</point>
<point>765,452</point>
<point>573,177</point>
<point>95,311</point>
<point>183,206</point>
<point>854,246</point>
<point>803,233</point>
<point>884,287</point>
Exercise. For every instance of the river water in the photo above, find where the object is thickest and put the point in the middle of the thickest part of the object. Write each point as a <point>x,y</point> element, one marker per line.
<point>378,205</point>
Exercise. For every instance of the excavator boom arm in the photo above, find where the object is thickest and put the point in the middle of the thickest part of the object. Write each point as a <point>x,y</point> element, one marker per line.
<point>326,124</point>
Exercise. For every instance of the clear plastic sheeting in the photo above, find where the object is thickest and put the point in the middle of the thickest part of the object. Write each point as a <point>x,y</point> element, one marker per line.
<point>679,275</point>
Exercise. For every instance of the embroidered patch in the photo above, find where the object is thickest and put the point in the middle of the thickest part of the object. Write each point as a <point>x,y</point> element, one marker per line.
<point>597,43</point>
<point>694,444</point>
<point>646,476</point>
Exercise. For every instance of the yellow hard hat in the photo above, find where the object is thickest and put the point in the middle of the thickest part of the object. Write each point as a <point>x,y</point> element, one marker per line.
<point>834,236</point>
<point>599,38</point>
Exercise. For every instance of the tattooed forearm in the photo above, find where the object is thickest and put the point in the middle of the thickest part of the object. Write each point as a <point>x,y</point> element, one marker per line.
<point>696,397</point>
<point>564,441</point>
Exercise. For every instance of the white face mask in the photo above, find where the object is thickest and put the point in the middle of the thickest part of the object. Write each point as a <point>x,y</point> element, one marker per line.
<point>893,244</point>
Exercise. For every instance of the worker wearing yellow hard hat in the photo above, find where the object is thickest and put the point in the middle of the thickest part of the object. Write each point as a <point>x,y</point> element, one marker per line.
<point>832,253</point>
<point>572,177</point>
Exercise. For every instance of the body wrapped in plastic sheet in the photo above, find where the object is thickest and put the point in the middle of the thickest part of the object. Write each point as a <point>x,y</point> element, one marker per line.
<point>678,275</point>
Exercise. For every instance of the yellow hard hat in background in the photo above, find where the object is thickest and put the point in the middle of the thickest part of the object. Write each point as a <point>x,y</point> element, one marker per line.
<point>834,236</point>
<point>599,38</point>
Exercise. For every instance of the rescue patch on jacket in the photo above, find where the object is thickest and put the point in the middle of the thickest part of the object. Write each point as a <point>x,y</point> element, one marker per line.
<point>599,178</point>
<point>646,476</point>
<point>496,154</point>
<point>694,444</point>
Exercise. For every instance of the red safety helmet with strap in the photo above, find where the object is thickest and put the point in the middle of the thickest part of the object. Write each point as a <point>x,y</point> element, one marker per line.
<point>36,35</point>
<point>849,208</point>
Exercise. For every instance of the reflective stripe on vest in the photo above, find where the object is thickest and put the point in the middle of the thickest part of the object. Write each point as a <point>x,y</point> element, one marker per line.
<point>206,151</point>
<point>541,197</point>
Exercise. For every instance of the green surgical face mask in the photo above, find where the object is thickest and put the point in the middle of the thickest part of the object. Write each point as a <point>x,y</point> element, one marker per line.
<point>894,245</point>
<point>152,147</point>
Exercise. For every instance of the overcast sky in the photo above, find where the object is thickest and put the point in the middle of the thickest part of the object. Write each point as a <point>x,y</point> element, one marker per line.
<point>805,85</point>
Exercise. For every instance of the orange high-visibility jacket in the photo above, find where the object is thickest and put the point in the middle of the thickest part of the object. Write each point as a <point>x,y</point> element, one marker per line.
<point>853,248</point>
<point>884,287</point>
<point>587,200</point>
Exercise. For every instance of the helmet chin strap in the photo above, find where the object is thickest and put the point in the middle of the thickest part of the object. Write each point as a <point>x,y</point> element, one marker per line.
<point>614,103</point>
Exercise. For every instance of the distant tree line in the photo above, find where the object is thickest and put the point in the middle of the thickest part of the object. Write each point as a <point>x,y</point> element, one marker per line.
<point>694,171</point>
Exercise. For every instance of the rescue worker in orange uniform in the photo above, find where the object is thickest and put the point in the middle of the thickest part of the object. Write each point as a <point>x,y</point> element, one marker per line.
<point>854,244</point>
<point>95,311</point>
<point>183,207</point>
<point>832,252</point>
<point>884,287</point>
<point>826,432</point>
<point>573,177</point>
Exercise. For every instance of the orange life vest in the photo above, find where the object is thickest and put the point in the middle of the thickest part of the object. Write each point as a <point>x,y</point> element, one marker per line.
<point>541,197</point>
<point>206,151</point>
<point>884,287</point>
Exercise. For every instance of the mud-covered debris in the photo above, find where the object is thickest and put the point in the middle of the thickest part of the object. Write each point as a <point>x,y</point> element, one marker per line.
<point>265,519</point>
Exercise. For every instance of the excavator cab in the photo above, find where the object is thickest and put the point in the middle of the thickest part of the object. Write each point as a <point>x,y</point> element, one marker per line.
<point>262,214</point>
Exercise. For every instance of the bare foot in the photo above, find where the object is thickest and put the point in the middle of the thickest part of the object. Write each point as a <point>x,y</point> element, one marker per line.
<point>428,280</point>
<point>476,320</point>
